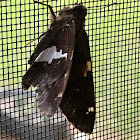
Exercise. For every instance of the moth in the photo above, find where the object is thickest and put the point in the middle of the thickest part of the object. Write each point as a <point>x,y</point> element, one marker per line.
<point>61,69</point>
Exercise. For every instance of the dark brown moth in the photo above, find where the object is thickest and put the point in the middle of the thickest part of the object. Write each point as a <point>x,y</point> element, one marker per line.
<point>61,70</point>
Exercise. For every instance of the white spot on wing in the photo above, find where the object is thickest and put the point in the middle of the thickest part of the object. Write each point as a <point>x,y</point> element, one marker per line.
<point>71,55</point>
<point>59,96</point>
<point>88,66</point>
<point>66,74</point>
<point>49,54</point>
<point>58,62</point>
<point>67,25</point>
<point>90,109</point>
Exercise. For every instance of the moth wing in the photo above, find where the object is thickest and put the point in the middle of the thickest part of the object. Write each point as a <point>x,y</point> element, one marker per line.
<point>49,73</point>
<point>53,36</point>
<point>78,102</point>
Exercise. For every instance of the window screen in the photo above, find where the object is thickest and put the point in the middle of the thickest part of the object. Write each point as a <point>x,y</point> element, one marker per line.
<point>114,39</point>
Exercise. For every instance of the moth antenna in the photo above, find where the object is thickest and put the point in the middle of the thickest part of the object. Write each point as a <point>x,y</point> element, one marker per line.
<point>104,6</point>
<point>32,40</point>
<point>51,10</point>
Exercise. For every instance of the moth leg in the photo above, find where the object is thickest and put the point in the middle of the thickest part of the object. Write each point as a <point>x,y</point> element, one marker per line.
<point>51,10</point>
<point>86,68</point>
<point>34,40</point>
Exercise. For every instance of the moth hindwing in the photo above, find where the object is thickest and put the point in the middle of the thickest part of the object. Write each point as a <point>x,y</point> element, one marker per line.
<point>61,70</point>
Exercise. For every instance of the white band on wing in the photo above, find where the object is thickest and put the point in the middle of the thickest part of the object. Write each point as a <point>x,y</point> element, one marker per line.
<point>49,54</point>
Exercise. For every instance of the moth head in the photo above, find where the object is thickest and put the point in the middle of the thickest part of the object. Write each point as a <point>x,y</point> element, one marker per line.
<point>77,10</point>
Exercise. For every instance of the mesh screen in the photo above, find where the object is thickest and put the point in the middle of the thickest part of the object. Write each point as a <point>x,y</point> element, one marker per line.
<point>114,37</point>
